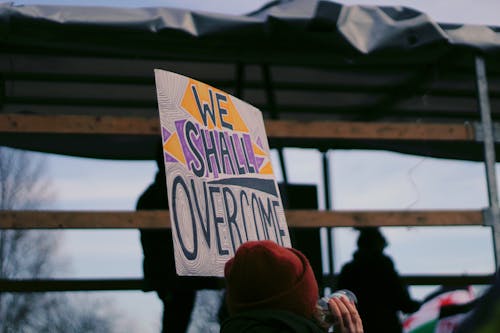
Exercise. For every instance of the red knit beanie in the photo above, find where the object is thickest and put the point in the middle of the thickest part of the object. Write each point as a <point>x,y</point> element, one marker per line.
<point>265,275</point>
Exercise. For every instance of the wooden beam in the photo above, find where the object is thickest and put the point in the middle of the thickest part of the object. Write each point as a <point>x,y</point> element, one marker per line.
<point>431,280</point>
<point>447,280</point>
<point>44,285</point>
<point>64,124</point>
<point>51,285</point>
<point>363,130</point>
<point>278,129</point>
<point>295,218</point>
<point>84,220</point>
<point>308,218</point>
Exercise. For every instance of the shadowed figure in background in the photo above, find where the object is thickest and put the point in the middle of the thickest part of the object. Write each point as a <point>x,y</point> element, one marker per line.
<point>176,292</point>
<point>372,277</point>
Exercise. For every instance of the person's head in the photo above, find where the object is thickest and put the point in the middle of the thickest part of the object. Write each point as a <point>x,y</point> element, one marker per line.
<point>371,239</point>
<point>265,275</point>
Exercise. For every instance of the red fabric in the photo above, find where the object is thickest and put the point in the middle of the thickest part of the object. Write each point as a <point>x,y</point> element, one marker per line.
<point>265,275</point>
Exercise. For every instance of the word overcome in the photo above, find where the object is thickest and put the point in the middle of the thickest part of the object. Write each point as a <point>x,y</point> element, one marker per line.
<point>234,213</point>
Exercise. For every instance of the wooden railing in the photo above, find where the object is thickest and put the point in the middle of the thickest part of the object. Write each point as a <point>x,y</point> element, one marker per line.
<point>276,129</point>
<point>62,285</point>
<point>295,218</point>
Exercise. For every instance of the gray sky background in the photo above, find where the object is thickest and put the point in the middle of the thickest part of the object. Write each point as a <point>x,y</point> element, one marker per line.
<point>361,180</point>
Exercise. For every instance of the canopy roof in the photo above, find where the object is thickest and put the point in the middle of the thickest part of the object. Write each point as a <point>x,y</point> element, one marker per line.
<point>298,60</point>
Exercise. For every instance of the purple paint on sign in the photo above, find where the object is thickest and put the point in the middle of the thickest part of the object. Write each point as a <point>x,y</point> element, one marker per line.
<point>168,157</point>
<point>259,143</point>
<point>165,134</point>
<point>188,156</point>
<point>198,141</point>
<point>249,150</point>
<point>228,160</point>
<point>211,152</point>
<point>214,159</point>
<point>259,161</point>
<point>239,152</point>
<point>237,145</point>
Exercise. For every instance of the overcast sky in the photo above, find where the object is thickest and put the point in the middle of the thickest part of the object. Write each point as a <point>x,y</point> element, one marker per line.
<point>361,180</point>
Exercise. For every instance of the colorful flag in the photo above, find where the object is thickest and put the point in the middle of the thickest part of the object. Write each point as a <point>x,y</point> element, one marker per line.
<point>431,319</point>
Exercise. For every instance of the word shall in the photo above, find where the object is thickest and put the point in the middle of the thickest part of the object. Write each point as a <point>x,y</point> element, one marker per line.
<point>213,152</point>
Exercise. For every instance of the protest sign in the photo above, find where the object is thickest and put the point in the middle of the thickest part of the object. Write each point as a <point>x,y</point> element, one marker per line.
<point>221,185</point>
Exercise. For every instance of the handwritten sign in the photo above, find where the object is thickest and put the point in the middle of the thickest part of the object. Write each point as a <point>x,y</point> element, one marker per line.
<point>220,180</point>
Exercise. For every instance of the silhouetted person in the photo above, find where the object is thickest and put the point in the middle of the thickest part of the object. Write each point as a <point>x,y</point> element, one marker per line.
<point>177,293</point>
<point>372,277</point>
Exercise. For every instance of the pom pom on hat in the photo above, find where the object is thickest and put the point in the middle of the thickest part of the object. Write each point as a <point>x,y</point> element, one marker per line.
<point>265,275</point>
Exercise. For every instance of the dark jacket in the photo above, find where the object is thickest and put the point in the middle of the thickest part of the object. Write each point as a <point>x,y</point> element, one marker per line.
<point>268,321</point>
<point>159,263</point>
<point>380,292</point>
<point>177,292</point>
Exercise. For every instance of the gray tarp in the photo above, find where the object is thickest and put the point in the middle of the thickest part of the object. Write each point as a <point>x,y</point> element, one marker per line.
<point>293,59</point>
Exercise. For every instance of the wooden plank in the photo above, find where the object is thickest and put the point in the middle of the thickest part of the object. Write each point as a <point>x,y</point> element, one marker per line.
<point>364,130</point>
<point>84,220</point>
<point>64,124</point>
<point>432,280</point>
<point>447,280</point>
<point>280,129</point>
<point>51,285</point>
<point>295,218</point>
<point>304,218</point>
<point>44,285</point>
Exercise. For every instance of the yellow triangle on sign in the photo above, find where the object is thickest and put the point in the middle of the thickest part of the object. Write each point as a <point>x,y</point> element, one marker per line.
<point>191,106</point>
<point>267,169</point>
<point>258,151</point>
<point>173,147</point>
<point>233,117</point>
<point>206,94</point>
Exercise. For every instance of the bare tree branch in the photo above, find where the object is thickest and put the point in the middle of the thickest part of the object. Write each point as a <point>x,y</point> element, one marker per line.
<point>32,254</point>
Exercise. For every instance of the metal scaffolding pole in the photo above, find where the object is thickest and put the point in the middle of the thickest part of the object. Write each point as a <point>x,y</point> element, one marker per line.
<point>271,105</point>
<point>492,214</point>
<point>328,206</point>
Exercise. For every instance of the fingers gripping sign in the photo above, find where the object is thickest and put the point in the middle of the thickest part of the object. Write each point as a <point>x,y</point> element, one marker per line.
<point>346,314</point>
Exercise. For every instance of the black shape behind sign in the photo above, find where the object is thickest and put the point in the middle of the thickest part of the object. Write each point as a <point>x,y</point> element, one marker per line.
<point>305,240</point>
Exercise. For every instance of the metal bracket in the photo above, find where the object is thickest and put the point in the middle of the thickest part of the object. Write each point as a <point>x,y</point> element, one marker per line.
<point>491,216</point>
<point>479,131</point>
